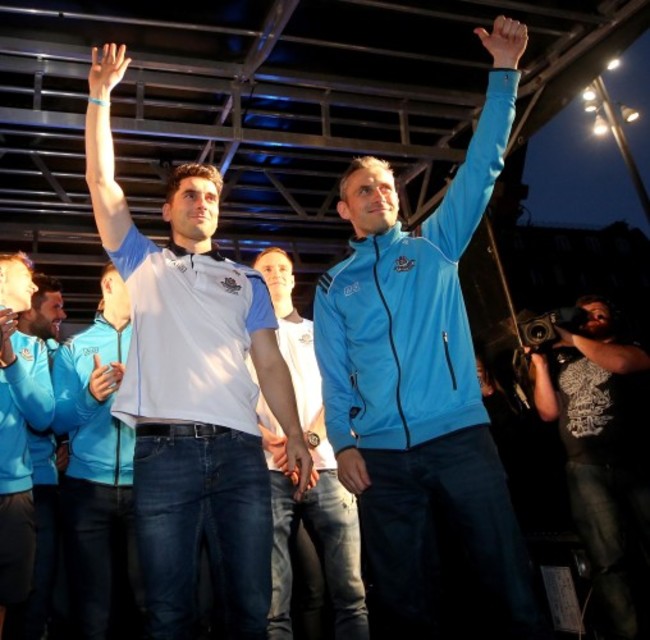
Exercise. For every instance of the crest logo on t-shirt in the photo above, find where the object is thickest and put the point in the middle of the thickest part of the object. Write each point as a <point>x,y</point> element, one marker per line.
<point>231,286</point>
<point>306,338</point>
<point>178,264</point>
<point>27,354</point>
<point>404,264</point>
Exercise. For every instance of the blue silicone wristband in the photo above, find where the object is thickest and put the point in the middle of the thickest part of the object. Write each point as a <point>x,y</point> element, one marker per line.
<point>101,103</point>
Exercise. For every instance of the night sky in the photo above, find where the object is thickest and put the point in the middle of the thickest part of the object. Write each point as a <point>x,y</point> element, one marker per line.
<point>577,179</point>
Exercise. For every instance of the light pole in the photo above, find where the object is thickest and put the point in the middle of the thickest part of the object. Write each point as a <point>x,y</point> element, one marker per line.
<point>617,130</point>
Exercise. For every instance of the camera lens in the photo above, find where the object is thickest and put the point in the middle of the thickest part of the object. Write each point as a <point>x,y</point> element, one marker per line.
<point>539,332</point>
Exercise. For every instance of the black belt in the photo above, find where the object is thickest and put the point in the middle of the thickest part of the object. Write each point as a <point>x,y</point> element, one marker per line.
<point>184,430</point>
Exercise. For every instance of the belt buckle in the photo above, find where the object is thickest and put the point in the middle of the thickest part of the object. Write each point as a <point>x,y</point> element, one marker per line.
<point>198,426</point>
<point>208,430</point>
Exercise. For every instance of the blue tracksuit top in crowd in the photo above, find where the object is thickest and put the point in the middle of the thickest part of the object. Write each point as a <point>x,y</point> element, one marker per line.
<point>42,450</point>
<point>392,337</point>
<point>25,397</point>
<point>42,445</point>
<point>101,447</point>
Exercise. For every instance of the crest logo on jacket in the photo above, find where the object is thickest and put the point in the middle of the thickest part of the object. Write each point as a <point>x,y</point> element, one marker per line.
<point>27,354</point>
<point>404,264</point>
<point>352,288</point>
<point>231,286</point>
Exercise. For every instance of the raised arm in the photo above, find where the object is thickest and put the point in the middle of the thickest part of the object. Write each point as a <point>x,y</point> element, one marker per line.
<point>111,211</point>
<point>614,357</point>
<point>454,222</point>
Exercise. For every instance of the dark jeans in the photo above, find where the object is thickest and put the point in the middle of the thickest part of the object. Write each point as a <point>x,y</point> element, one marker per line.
<point>39,604</point>
<point>17,546</point>
<point>213,488</point>
<point>611,507</point>
<point>100,554</point>
<point>311,613</point>
<point>459,477</point>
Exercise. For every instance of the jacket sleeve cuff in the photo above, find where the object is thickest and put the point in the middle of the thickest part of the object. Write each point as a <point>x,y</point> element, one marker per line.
<point>13,373</point>
<point>503,81</point>
<point>89,401</point>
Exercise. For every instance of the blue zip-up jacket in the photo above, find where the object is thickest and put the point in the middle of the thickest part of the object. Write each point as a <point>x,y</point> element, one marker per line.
<point>42,445</point>
<point>101,447</point>
<point>25,396</point>
<point>392,336</point>
<point>42,450</point>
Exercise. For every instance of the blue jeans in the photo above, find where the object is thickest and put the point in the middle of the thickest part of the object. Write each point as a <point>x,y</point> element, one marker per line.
<point>611,506</point>
<point>98,525</point>
<point>460,477</point>
<point>330,514</point>
<point>188,489</point>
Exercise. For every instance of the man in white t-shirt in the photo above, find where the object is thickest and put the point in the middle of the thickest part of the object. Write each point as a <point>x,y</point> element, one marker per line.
<point>199,472</point>
<point>328,510</point>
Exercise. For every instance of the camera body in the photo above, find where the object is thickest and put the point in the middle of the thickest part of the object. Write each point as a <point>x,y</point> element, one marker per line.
<point>540,331</point>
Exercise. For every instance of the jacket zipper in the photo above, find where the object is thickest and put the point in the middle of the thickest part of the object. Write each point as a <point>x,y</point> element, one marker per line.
<point>450,366</point>
<point>398,397</point>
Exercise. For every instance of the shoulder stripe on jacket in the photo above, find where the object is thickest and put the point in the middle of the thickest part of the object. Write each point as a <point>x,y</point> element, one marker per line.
<point>324,282</point>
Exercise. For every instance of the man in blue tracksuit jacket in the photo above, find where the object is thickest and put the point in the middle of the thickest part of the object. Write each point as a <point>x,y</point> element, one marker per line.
<point>403,407</point>
<point>25,397</point>
<point>49,459</point>
<point>96,491</point>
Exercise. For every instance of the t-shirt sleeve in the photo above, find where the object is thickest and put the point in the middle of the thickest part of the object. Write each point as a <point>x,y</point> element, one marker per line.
<point>261,314</point>
<point>134,249</point>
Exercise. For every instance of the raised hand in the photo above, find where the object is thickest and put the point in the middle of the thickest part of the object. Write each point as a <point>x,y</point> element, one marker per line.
<point>107,72</point>
<point>8,324</point>
<point>506,43</point>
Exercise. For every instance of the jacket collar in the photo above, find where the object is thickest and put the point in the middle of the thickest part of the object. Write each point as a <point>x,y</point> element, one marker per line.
<point>180,251</point>
<point>100,318</point>
<point>381,240</point>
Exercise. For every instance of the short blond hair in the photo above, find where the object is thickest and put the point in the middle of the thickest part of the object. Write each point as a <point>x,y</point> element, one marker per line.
<point>268,250</point>
<point>19,256</point>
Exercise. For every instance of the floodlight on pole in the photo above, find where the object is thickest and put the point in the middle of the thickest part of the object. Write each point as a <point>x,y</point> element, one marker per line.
<point>614,122</point>
<point>628,113</point>
<point>589,94</point>
<point>600,125</point>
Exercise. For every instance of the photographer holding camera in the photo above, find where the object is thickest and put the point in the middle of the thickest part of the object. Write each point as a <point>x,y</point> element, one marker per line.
<point>593,390</point>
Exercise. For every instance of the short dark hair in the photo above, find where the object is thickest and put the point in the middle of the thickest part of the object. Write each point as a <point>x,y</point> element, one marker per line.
<point>192,170</point>
<point>616,316</point>
<point>594,297</point>
<point>363,162</point>
<point>45,284</point>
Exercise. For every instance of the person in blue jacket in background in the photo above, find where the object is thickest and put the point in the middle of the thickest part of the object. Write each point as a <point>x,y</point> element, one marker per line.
<point>49,459</point>
<point>96,491</point>
<point>403,406</point>
<point>25,397</point>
